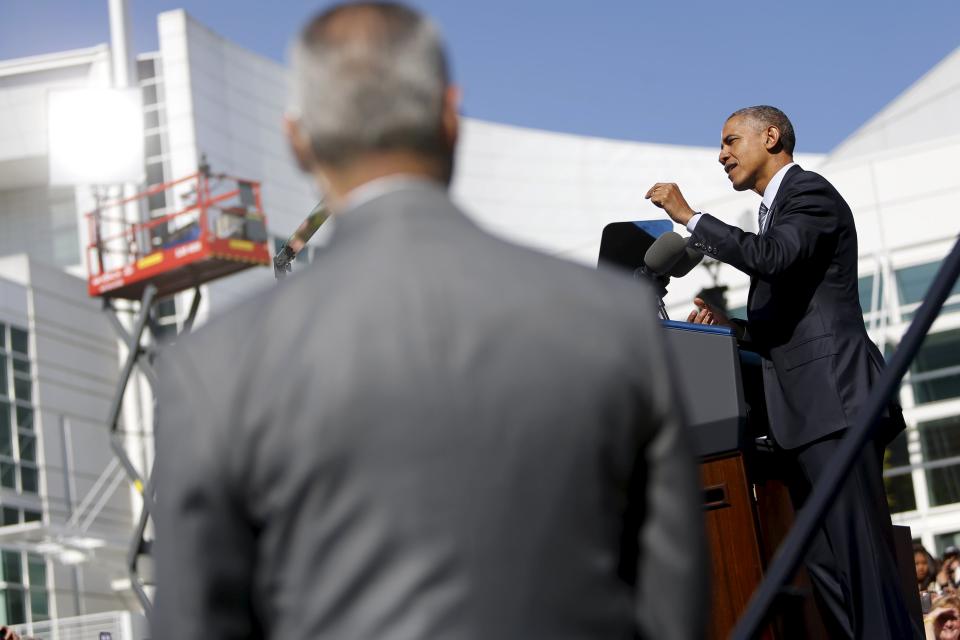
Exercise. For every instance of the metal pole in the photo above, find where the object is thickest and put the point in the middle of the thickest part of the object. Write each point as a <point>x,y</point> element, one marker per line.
<point>121,52</point>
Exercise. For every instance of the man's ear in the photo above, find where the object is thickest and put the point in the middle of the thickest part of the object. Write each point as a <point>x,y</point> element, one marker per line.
<point>299,143</point>
<point>450,115</point>
<point>772,139</point>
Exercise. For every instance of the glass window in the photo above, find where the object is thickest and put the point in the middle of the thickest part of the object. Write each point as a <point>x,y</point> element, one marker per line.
<point>36,570</point>
<point>938,353</point>
<point>22,389</point>
<point>941,439</point>
<point>145,69</point>
<point>913,283</point>
<point>3,375</point>
<point>24,417</point>
<point>3,336</point>
<point>151,119</point>
<point>28,446</point>
<point>865,285</point>
<point>167,307</point>
<point>6,440</point>
<point>149,94</point>
<point>152,145</point>
<point>8,475</point>
<point>29,479</point>
<point>10,566</point>
<point>900,494</point>
<point>21,365</point>
<point>16,610</point>
<point>8,516</point>
<point>154,173</point>
<point>39,608</point>
<point>29,515</point>
<point>18,340</point>
<point>157,200</point>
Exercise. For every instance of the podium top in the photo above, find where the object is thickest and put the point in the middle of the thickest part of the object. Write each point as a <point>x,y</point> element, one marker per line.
<point>699,328</point>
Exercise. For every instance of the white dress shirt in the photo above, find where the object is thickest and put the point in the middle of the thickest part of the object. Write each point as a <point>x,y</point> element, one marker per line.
<point>769,195</point>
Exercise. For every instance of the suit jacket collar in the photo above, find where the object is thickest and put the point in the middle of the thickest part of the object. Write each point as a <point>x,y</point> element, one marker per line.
<point>788,177</point>
<point>396,212</point>
<point>773,187</point>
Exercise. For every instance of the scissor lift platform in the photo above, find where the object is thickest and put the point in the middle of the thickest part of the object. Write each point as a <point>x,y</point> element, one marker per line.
<point>219,230</point>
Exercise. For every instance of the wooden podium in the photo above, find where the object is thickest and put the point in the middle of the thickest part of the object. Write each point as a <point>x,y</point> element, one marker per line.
<point>747,512</point>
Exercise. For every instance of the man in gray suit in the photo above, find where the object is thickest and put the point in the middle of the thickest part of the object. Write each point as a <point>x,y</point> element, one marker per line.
<point>430,433</point>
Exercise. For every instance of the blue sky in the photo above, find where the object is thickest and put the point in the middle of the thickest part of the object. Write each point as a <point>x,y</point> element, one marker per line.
<point>664,72</point>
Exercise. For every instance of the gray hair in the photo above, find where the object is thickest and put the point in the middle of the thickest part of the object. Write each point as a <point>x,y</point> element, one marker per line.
<point>767,116</point>
<point>370,77</point>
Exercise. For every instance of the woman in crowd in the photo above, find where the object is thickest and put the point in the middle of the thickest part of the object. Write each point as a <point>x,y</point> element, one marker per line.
<point>943,621</point>
<point>926,568</point>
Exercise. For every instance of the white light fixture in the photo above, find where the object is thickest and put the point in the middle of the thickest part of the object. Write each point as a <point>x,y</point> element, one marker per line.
<point>96,136</point>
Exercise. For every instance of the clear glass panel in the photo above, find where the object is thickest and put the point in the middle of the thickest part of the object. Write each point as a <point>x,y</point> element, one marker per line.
<point>145,69</point>
<point>913,282</point>
<point>941,439</point>
<point>157,200</point>
<point>149,94</point>
<point>3,376</point>
<point>152,145</point>
<point>939,351</point>
<point>900,494</point>
<point>151,120</point>
<point>865,285</point>
<point>8,475</point>
<point>29,515</point>
<point>21,364</point>
<point>18,340</point>
<point>36,570</point>
<point>29,479</point>
<point>154,173</point>
<point>22,389</point>
<point>9,515</point>
<point>10,566</point>
<point>28,446</point>
<point>24,417</point>
<point>16,608</point>
<point>3,336</point>
<point>6,440</point>
<point>39,607</point>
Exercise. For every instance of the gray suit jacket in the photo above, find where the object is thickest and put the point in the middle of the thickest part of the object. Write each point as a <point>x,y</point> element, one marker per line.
<point>429,433</point>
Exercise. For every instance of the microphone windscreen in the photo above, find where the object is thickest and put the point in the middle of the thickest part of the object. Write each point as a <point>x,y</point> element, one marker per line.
<point>665,252</point>
<point>686,263</point>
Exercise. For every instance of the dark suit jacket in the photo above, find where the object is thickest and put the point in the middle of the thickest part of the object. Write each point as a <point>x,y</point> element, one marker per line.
<point>804,314</point>
<point>429,433</point>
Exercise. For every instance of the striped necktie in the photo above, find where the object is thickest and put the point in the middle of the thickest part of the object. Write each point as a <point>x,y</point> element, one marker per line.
<point>763,218</point>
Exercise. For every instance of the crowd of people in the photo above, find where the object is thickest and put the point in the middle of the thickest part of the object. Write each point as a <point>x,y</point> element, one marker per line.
<point>941,580</point>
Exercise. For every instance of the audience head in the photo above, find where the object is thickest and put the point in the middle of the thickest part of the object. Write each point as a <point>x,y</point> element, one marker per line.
<point>946,623</point>
<point>372,84</point>
<point>926,566</point>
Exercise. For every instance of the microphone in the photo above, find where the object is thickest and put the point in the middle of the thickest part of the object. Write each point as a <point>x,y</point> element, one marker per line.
<point>667,257</point>
<point>688,260</point>
<point>664,253</point>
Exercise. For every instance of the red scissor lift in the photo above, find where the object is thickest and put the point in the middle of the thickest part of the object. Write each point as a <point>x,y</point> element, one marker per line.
<point>217,229</point>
